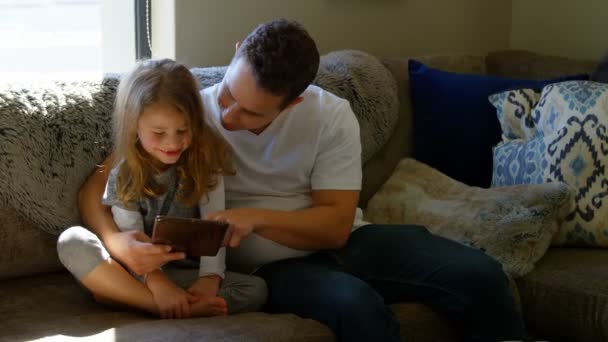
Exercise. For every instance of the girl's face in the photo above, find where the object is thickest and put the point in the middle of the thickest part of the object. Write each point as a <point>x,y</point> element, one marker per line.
<point>164,132</point>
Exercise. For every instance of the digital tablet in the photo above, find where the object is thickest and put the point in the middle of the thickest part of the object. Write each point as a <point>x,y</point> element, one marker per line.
<point>195,237</point>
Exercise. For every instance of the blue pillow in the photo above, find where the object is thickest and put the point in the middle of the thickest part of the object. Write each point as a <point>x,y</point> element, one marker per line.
<point>455,126</point>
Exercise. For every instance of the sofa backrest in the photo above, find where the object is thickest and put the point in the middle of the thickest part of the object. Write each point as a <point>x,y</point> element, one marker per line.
<point>529,65</point>
<point>52,135</point>
<point>31,251</point>
<point>379,168</point>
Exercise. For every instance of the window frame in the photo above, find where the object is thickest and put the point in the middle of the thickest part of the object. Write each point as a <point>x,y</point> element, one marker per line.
<point>143,27</point>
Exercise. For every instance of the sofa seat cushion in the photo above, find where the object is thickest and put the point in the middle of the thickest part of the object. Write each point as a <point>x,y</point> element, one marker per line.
<point>54,305</point>
<point>566,295</point>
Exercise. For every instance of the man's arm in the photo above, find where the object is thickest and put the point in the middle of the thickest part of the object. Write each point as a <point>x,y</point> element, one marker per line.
<point>95,215</point>
<point>327,224</point>
<point>132,248</point>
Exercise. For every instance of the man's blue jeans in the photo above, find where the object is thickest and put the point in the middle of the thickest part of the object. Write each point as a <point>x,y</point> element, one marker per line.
<point>349,289</point>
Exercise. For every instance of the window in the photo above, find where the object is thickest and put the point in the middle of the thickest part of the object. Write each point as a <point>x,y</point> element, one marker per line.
<point>65,39</point>
<point>143,34</point>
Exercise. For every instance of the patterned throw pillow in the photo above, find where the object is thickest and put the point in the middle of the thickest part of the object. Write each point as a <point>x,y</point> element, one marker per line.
<point>513,224</point>
<point>561,137</point>
<point>514,111</point>
<point>453,107</point>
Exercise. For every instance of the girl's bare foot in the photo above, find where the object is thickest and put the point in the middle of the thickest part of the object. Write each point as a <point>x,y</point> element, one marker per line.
<point>209,306</point>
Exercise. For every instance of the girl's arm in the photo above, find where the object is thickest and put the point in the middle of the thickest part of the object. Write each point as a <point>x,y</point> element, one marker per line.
<point>211,273</point>
<point>213,201</point>
<point>168,296</point>
<point>212,269</point>
<point>96,216</point>
<point>213,265</point>
<point>128,219</point>
<point>130,248</point>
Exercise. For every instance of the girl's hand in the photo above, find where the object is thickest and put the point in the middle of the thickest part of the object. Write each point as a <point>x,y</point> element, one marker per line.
<point>135,250</point>
<point>172,301</point>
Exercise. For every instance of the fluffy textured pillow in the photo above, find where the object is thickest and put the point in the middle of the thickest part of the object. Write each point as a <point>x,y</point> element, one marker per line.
<point>514,224</point>
<point>51,137</point>
<point>455,126</point>
<point>563,138</point>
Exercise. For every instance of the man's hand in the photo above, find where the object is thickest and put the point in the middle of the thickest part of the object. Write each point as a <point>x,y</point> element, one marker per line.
<point>242,221</point>
<point>207,286</point>
<point>135,250</point>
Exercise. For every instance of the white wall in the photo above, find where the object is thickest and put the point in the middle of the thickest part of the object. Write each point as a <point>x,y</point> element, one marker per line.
<point>205,31</point>
<point>118,37</point>
<point>577,29</point>
<point>163,28</point>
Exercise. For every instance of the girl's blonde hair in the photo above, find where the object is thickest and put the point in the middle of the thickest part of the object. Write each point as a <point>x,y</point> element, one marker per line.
<point>168,82</point>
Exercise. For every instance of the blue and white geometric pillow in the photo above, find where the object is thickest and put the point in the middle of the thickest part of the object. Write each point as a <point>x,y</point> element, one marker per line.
<point>563,138</point>
<point>520,162</point>
<point>514,110</point>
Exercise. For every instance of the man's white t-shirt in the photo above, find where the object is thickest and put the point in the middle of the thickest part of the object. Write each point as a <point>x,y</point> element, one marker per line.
<point>314,145</point>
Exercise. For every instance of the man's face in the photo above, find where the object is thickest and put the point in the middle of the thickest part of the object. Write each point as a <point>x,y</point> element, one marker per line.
<point>243,104</point>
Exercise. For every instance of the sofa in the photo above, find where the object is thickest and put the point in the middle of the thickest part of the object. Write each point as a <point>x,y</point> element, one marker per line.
<point>565,298</point>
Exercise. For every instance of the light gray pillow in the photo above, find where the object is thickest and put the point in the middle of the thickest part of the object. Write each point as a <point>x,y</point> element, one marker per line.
<point>513,224</point>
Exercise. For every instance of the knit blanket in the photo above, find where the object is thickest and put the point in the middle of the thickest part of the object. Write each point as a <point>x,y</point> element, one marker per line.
<point>53,134</point>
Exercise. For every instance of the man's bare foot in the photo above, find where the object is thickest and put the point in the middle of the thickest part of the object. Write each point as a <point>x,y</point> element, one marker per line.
<point>209,306</point>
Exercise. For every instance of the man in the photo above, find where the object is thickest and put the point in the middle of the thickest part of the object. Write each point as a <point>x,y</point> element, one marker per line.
<point>292,209</point>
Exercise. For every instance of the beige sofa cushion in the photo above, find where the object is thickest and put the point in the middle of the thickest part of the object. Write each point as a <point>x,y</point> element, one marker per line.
<point>25,249</point>
<point>53,305</point>
<point>566,297</point>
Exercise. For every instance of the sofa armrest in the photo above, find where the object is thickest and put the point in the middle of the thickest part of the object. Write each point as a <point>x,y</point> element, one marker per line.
<point>26,250</point>
<point>380,166</point>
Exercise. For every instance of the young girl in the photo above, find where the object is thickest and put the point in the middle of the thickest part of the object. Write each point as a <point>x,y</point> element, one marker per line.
<point>168,162</point>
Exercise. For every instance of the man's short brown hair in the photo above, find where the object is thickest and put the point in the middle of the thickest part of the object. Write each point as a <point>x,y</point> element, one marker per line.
<point>283,57</point>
